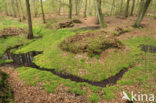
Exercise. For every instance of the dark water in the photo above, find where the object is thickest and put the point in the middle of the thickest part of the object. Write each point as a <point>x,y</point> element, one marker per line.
<point>21,59</point>
<point>87,28</point>
<point>148,48</point>
<point>27,60</point>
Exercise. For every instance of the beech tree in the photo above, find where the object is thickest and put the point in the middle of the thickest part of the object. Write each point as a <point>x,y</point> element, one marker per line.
<point>100,14</point>
<point>30,31</point>
<point>43,16</point>
<point>70,9</point>
<point>85,11</point>
<point>127,9</point>
<point>133,5</point>
<point>142,13</point>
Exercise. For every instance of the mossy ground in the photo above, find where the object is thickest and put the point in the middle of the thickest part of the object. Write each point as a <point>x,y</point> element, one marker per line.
<point>53,58</point>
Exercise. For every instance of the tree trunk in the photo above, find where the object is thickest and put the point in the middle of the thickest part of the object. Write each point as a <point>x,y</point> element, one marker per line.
<point>43,16</point>
<point>85,11</point>
<point>132,10</point>
<point>142,14</point>
<point>59,9</point>
<point>127,7</point>
<point>113,4</point>
<point>70,9</point>
<point>76,7</point>
<point>6,10</point>
<point>99,14</point>
<point>18,10</point>
<point>22,10</point>
<point>13,8</point>
<point>90,7</point>
<point>141,7</point>
<point>30,32</point>
<point>121,6</point>
<point>35,8</point>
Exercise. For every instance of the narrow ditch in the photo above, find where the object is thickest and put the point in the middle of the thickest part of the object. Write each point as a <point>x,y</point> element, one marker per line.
<point>27,60</point>
<point>148,48</point>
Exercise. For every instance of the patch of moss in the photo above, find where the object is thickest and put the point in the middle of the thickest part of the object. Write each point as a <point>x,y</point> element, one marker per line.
<point>90,43</point>
<point>94,97</point>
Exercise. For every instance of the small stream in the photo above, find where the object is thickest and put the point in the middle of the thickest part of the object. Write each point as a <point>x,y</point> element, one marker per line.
<point>148,48</point>
<point>27,60</point>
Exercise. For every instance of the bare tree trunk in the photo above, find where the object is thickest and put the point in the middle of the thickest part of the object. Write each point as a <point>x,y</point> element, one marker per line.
<point>127,7</point>
<point>43,16</point>
<point>22,10</point>
<point>13,8</point>
<point>70,9</point>
<point>18,10</point>
<point>141,7</point>
<point>30,32</point>
<point>142,14</point>
<point>132,10</point>
<point>113,4</point>
<point>59,9</point>
<point>85,11</point>
<point>90,7</point>
<point>99,14</point>
<point>6,8</point>
<point>76,7</point>
<point>35,8</point>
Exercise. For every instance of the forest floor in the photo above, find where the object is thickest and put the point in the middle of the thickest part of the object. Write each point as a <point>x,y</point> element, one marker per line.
<point>79,64</point>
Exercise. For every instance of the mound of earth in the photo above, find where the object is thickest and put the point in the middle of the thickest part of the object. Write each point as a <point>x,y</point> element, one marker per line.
<point>12,32</point>
<point>92,43</point>
<point>69,23</point>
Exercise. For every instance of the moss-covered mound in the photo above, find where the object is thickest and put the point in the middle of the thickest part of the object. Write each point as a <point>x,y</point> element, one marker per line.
<point>6,95</point>
<point>92,43</point>
<point>12,32</point>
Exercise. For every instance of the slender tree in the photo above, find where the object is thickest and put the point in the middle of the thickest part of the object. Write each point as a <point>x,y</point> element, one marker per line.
<point>22,10</point>
<point>6,8</point>
<point>127,7</point>
<point>76,7</point>
<point>43,16</point>
<point>91,6</point>
<point>30,32</point>
<point>141,7</point>
<point>13,8</point>
<point>35,8</point>
<point>132,10</point>
<point>99,14</point>
<point>121,6</point>
<point>113,4</point>
<point>85,11</point>
<point>18,10</point>
<point>70,9</point>
<point>142,14</point>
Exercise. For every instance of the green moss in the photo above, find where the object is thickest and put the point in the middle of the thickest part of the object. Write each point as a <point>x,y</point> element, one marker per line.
<point>109,92</point>
<point>94,98</point>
